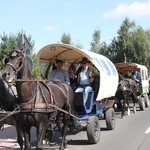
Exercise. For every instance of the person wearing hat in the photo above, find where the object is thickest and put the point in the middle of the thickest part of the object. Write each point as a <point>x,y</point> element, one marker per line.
<point>136,76</point>
<point>84,79</point>
<point>59,73</point>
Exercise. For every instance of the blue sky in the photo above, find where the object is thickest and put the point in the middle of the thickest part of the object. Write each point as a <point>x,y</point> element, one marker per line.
<point>47,20</point>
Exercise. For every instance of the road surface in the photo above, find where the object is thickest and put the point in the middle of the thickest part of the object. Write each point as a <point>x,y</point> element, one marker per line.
<point>130,133</point>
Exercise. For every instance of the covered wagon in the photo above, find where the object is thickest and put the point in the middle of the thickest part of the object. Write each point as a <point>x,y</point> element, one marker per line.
<point>101,100</point>
<point>142,85</point>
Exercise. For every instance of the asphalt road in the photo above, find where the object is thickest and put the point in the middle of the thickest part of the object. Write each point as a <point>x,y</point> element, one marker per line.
<point>130,133</point>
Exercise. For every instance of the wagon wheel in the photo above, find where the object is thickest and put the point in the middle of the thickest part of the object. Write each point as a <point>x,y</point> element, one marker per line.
<point>147,102</point>
<point>93,129</point>
<point>142,103</point>
<point>110,118</point>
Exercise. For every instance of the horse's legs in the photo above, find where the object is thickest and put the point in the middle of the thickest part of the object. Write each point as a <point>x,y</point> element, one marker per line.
<point>63,144</point>
<point>19,136</point>
<point>59,122</point>
<point>134,107</point>
<point>125,101</point>
<point>41,131</point>
<point>134,99</point>
<point>26,133</point>
<point>128,108</point>
<point>1,125</point>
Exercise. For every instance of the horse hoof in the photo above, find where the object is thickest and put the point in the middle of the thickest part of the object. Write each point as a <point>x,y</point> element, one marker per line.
<point>128,112</point>
<point>122,116</point>
<point>47,142</point>
<point>134,110</point>
<point>44,142</point>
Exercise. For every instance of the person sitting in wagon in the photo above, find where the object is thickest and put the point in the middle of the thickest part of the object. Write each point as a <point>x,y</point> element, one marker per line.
<point>84,79</point>
<point>136,76</point>
<point>59,73</point>
<point>72,76</point>
<point>129,74</point>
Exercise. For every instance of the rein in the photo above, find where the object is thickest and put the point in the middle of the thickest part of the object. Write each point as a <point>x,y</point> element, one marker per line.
<point>16,111</point>
<point>30,80</point>
<point>10,113</point>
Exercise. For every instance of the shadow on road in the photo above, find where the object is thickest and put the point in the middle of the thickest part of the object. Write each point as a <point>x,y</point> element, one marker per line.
<point>78,142</point>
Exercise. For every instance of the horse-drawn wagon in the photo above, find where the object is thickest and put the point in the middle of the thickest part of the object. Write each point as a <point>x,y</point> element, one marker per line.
<point>101,100</point>
<point>142,86</point>
<point>41,101</point>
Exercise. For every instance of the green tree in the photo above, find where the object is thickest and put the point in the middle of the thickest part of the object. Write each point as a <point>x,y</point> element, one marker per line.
<point>8,42</point>
<point>133,42</point>
<point>66,38</point>
<point>35,68</point>
<point>104,50</point>
<point>79,45</point>
<point>95,44</point>
<point>123,42</point>
<point>112,48</point>
<point>141,46</point>
<point>6,45</point>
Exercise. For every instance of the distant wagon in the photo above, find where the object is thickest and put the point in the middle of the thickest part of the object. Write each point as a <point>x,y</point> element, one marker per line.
<point>101,100</point>
<point>143,85</point>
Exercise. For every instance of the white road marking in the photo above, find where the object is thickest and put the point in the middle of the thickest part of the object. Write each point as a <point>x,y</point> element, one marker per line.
<point>148,130</point>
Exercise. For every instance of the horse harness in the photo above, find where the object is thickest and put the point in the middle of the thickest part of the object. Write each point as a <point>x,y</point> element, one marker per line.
<point>31,105</point>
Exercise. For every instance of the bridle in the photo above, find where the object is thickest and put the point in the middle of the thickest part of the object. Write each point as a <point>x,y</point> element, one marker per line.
<point>12,65</point>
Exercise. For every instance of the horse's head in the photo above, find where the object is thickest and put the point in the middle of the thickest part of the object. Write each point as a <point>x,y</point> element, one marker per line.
<point>13,65</point>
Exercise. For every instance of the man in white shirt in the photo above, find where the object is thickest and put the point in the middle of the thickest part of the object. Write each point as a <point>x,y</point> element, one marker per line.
<point>59,73</point>
<point>84,79</point>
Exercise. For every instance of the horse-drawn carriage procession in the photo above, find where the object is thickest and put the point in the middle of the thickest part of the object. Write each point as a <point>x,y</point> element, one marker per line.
<point>95,88</point>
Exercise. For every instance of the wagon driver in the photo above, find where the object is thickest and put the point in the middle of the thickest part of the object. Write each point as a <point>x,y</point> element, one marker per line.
<point>84,79</point>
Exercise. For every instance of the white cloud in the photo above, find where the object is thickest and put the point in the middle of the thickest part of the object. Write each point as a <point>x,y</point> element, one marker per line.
<point>135,9</point>
<point>51,28</point>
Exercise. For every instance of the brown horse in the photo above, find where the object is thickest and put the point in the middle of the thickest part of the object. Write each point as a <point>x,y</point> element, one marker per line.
<point>124,93</point>
<point>40,102</point>
<point>7,104</point>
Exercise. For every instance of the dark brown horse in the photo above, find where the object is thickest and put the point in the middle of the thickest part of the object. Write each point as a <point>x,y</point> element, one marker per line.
<point>8,101</point>
<point>125,93</point>
<point>40,102</point>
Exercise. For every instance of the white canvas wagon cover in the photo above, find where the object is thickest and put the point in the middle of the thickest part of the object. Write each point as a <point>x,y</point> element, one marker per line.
<point>108,73</point>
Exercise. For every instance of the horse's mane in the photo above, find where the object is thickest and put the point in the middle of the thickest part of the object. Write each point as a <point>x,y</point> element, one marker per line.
<point>7,100</point>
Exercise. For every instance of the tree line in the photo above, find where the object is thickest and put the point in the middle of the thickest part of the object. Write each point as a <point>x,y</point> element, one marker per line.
<point>132,42</point>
